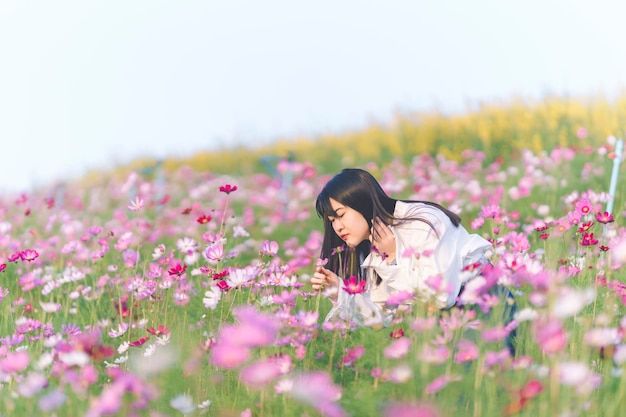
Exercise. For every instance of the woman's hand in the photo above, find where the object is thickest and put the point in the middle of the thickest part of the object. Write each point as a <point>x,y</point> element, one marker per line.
<point>325,279</point>
<point>383,240</point>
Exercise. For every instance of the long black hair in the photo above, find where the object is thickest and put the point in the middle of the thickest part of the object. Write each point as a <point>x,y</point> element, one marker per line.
<point>359,190</point>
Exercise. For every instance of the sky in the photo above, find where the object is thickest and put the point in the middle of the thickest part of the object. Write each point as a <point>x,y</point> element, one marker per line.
<point>90,84</point>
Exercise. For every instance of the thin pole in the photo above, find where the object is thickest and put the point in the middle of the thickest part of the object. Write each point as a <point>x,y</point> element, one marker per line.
<point>619,149</point>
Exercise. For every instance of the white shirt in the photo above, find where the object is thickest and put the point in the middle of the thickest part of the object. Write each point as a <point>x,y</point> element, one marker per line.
<point>441,252</point>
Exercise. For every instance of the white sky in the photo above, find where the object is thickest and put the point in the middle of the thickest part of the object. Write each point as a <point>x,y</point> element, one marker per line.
<point>86,84</point>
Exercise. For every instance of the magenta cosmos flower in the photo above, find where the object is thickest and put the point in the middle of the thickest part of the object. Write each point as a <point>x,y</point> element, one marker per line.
<point>352,285</point>
<point>228,188</point>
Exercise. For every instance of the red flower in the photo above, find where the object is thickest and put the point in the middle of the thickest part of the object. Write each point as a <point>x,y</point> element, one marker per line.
<point>604,248</point>
<point>544,236</point>
<point>472,267</point>
<point>177,269</point>
<point>604,218</point>
<point>159,331</point>
<point>585,227</point>
<point>526,393</point>
<point>397,334</point>
<point>352,285</point>
<point>220,275</point>
<point>228,188</point>
<point>139,342</point>
<point>3,267</point>
<point>222,285</point>
<point>204,219</point>
<point>29,255</point>
<point>588,240</point>
<point>186,211</point>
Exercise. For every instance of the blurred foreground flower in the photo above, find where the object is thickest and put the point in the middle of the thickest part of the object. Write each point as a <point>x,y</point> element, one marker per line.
<point>136,204</point>
<point>318,390</point>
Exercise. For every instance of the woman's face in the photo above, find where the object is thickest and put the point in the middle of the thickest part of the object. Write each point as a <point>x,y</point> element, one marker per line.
<point>349,224</point>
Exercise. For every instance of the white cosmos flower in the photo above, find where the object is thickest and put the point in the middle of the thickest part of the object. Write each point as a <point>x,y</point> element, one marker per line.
<point>240,277</point>
<point>121,329</point>
<point>149,351</point>
<point>186,245</point>
<point>183,403</point>
<point>571,302</point>
<point>212,297</point>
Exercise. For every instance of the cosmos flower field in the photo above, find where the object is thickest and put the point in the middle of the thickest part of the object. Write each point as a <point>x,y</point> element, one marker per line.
<point>186,293</point>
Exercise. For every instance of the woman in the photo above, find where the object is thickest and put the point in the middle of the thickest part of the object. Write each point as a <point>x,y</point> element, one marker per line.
<point>399,247</point>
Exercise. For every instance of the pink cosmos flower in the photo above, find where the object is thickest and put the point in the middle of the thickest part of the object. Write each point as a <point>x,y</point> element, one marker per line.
<point>14,362</point>
<point>434,354</point>
<point>399,348</point>
<point>136,204</point>
<point>551,336</point>
<point>260,373</point>
<point>214,253</point>
<point>467,351</point>
<point>604,217</point>
<point>583,206</point>
<point>352,355</point>
<point>440,382</point>
<point>601,337</point>
<point>318,390</point>
<point>352,285</point>
<point>229,356</point>
<point>3,267</point>
<point>526,393</point>
<point>29,255</point>
<point>494,334</point>
<point>269,248</point>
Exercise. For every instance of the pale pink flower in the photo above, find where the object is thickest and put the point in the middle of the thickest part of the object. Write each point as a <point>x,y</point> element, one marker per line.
<point>571,302</point>
<point>242,277</point>
<point>318,390</point>
<point>477,223</point>
<point>136,204</point>
<point>466,351</point>
<point>229,356</point>
<point>434,354</point>
<point>214,253</point>
<point>619,357</point>
<point>121,329</point>
<point>421,324</point>
<point>497,358</point>
<point>492,211</point>
<point>260,373</point>
<point>494,334</point>
<point>32,384</point>
<point>269,248</point>
<point>398,348</point>
<point>602,337</point>
<point>401,374</point>
<point>440,382</point>
<point>14,362</point>
<point>578,375</point>
<point>551,336</point>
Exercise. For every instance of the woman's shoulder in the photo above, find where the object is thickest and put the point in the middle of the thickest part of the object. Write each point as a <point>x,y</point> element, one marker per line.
<point>420,215</point>
<point>408,209</point>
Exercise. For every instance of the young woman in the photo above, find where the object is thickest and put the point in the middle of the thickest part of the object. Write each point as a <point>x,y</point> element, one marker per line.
<point>398,247</point>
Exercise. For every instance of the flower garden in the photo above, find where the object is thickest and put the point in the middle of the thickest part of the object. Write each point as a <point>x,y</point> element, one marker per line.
<point>185,292</point>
